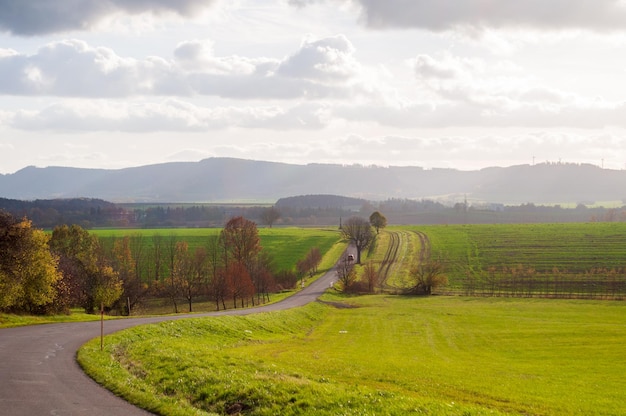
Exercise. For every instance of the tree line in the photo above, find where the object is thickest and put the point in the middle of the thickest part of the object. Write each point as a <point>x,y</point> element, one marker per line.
<point>42,273</point>
<point>299,211</point>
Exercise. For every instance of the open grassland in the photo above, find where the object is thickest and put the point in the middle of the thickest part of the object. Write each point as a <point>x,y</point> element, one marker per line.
<point>383,355</point>
<point>556,260</point>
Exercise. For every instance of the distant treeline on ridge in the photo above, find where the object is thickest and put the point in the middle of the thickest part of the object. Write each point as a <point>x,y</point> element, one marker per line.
<point>306,210</point>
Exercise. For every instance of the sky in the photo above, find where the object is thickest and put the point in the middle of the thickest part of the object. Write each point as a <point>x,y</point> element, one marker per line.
<point>463,84</point>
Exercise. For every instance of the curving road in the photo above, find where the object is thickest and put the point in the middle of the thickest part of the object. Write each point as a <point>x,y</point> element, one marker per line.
<point>39,374</point>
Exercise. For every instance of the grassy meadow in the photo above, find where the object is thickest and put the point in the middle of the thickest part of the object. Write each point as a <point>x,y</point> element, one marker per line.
<point>383,355</point>
<point>285,245</point>
<point>567,246</point>
<point>552,260</point>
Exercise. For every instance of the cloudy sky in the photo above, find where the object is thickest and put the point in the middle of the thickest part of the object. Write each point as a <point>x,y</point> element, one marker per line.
<point>465,84</point>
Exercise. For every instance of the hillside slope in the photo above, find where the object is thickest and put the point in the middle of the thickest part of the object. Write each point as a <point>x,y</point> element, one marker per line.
<point>226,179</point>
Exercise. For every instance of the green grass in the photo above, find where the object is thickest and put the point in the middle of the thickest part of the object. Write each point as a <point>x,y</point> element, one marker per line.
<point>386,355</point>
<point>286,245</point>
<point>8,320</point>
<point>573,253</point>
<point>570,246</point>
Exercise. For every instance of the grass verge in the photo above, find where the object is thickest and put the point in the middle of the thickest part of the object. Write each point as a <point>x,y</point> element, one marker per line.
<point>381,355</point>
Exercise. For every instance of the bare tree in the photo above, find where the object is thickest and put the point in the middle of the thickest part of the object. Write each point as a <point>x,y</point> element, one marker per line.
<point>270,215</point>
<point>359,232</point>
<point>346,275</point>
<point>427,276</point>
<point>370,275</point>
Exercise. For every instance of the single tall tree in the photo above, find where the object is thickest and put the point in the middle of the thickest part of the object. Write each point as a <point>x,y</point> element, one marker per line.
<point>359,232</point>
<point>241,240</point>
<point>378,221</point>
<point>242,245</point>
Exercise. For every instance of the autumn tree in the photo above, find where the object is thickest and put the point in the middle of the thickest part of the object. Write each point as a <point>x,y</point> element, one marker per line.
<point>242,245</point>
<point>262,277</point>
<point>216,280</point>
<point>171,284</point>
<point>378,221</point>
<point>241,239</point>
<point>28,271</point>
<point>309,264</point>
<point>285,279</point>
<point>91,277</point>
<point>75,250</point>
<point>129,262</point>
<point>241,284</point>
<point>108,287</point>
<point>358,231</point>
<point>426,277</point>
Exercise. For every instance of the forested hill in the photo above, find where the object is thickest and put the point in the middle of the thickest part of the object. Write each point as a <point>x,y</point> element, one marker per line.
<point>229,180</point>
<point>321,201</point>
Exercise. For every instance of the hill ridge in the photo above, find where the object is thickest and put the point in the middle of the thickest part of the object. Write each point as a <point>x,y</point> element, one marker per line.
<point>231,179</point>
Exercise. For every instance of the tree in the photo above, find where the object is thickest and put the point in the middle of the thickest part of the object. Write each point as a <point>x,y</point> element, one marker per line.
<point>242,285</point>
<point>308,265</point>
<point>270,215</point>
<point>171,284</point>
<point>378,221</point>
<point>358,231</point>
<point>427,276</point>
<point>108,288</point>
<point>242,245</point>
<point>190,271</point>
<point>91,278</point>
<point>370,275</point>
<point>216,281</point>
<point>28,271</point>
<point>127,256</point>
<point>241,240</point>
<point>346,275</point>
<point>261,273</point>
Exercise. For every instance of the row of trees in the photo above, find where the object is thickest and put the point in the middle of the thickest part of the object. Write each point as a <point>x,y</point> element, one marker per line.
<point>45,273</point>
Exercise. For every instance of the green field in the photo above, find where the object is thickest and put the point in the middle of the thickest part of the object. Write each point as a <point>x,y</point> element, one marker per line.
<point>554,260</point>
<point>385,355</point>
<point>285,245</point>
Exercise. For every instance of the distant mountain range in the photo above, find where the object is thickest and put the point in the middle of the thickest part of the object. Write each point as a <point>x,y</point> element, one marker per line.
<point>237,180</point>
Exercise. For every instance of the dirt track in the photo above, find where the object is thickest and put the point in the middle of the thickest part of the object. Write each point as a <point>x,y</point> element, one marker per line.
<point>393,254</point>
<point>39,374</point>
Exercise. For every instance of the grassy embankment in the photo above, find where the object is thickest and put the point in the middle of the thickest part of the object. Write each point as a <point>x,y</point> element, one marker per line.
<point>387,355</point>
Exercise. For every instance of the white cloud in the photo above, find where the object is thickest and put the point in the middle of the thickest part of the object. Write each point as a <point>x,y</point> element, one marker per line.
<point>321,68</point>
<point>169,115</point>
<point>328,60</point>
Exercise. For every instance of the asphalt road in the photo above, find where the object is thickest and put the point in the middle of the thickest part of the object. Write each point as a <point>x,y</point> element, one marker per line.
<point>39,374</point>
